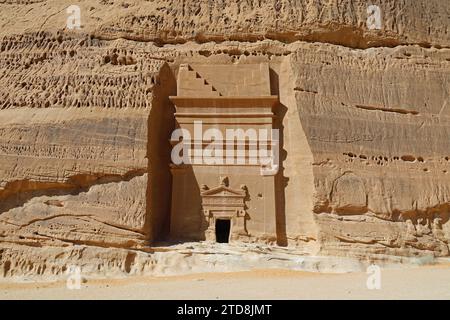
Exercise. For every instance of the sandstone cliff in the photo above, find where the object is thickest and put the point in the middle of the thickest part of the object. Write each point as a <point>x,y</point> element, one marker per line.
<point>85,121</point>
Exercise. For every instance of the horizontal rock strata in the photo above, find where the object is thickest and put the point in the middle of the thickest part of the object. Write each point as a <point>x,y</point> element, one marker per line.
<point>85,121</point>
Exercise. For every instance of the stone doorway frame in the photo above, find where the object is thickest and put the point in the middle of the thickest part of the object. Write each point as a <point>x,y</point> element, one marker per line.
<point>224,203</point>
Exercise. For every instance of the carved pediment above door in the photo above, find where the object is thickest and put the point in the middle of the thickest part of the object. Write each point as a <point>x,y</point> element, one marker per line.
<point>222,191</point>
<point>224,199</point>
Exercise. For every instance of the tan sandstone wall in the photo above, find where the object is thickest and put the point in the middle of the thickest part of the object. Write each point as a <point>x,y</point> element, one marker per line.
<point>377,124</point>
<point>365,130</point>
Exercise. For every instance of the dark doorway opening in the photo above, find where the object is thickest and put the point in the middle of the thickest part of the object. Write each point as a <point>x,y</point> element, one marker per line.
<point>223,227</point>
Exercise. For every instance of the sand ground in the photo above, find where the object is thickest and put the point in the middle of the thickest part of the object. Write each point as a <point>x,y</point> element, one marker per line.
<point>430,282</point>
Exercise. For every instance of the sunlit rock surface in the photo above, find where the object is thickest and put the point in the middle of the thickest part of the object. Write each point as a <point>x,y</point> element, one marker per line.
<point>85,122</point>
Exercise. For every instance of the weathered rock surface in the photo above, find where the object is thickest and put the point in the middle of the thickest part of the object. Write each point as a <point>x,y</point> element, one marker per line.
<point>85,121</point>
<point>31,264</point>
<point>171,21</point>
<point>377,125</point>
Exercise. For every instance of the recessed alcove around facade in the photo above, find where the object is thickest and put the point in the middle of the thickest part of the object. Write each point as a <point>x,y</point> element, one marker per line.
<point>234,102</point>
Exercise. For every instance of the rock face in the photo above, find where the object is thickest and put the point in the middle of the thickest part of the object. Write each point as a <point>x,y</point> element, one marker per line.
<point>380,163</point>
<point>86,120</point>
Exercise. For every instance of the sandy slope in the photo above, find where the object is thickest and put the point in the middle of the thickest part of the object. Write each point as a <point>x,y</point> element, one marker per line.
<point>414,283</point>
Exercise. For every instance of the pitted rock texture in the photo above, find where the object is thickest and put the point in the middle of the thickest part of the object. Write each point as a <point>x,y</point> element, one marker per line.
<point>171,21</point>
<point>74,129</point>
<point>85,120</point>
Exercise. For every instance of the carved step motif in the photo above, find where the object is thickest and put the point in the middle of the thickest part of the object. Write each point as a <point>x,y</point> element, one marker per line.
<point>197,83</point>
